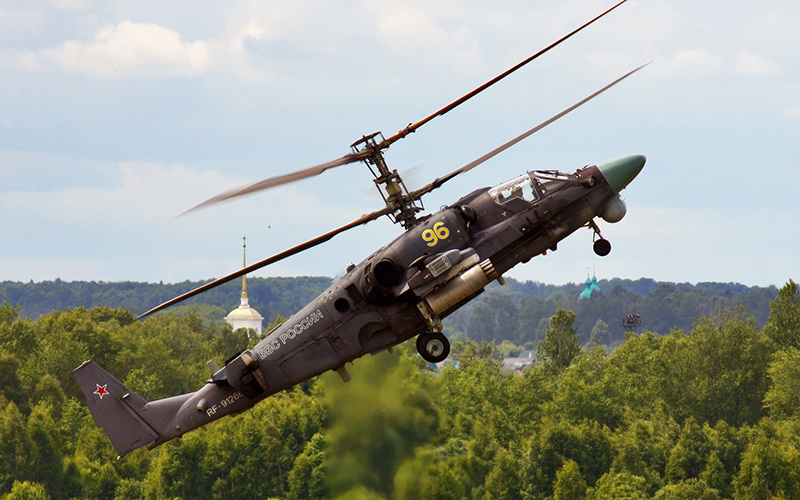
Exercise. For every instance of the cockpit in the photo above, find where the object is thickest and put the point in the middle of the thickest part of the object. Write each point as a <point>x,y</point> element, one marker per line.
<point>518,188</point>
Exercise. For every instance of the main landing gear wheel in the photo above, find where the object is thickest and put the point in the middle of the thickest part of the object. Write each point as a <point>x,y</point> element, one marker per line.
<point>602,247</point>
<point>433,346</point>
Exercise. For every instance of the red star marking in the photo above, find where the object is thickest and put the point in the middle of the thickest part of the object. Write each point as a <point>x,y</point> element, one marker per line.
<point>101,390</point>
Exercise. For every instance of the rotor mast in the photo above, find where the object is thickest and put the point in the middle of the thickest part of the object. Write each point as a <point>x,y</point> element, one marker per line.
<point>390,185</point>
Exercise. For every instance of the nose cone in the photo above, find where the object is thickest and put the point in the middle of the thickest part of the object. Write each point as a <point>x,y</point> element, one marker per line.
<point>620,172</point>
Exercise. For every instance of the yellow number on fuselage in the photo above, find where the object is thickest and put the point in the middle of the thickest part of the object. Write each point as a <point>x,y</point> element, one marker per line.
<point>432,236</point>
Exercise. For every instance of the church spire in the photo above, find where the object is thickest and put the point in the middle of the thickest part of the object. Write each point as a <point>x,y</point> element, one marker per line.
<point>245,316</point>
<point>244,264</point>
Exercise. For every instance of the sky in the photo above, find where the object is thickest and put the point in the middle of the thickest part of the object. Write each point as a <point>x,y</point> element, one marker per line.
<point>117,116</point>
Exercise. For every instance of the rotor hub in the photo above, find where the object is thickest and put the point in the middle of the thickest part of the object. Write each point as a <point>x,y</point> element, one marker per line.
<point>390,185</point>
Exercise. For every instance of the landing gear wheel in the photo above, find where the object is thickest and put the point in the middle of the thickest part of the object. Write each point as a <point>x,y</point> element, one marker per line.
<point>602,247</point>
<point>433,346</point>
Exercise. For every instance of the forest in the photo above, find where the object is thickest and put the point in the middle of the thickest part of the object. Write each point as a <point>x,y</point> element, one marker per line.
<point>518,312</point>
<point>705,411</point>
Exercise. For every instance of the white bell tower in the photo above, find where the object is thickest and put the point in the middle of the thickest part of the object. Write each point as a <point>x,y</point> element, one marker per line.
<point>244,316</point>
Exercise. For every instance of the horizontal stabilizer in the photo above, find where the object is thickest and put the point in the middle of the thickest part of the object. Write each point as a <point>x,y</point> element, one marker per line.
<point>114,408</point>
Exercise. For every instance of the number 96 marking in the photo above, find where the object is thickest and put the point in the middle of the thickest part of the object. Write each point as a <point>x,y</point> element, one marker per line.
<point>432,236</point>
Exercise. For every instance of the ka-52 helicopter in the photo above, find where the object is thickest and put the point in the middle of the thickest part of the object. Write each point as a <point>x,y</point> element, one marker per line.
<point>402,291</point>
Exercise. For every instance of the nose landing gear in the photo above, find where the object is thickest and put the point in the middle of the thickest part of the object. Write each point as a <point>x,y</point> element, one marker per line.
<point>601,246</point>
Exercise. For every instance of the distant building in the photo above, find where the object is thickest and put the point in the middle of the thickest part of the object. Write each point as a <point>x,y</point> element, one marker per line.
<point>245,316</point>
<point>517,365</point>
<point>591,287</point>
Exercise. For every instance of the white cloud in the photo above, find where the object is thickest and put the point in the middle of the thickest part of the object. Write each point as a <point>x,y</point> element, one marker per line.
<point>72,4</point>
<point>132,49</point>
<point>145,193</point>
<point>16,60</point>
<point>750,63</point>
<point>129,230</point>
<point>694,62</point>
<point>411,32</point>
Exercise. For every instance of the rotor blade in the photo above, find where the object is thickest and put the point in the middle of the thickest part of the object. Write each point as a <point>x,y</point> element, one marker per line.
<point>270,260</point>
<point>469,166</point>
<point>281,179</point>
<point>362,155</point>
<point>412,127</point>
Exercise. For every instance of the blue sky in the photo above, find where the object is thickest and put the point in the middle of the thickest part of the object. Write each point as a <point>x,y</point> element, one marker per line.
<point>117,116</point>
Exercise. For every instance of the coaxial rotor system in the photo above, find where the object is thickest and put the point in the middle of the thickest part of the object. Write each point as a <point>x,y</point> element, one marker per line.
<point>401,205</point>
<point>369,149</point>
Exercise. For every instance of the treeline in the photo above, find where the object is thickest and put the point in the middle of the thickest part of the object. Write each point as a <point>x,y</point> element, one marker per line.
<point>707,413</point>
<point>518,312</point>
<point>271,296</point>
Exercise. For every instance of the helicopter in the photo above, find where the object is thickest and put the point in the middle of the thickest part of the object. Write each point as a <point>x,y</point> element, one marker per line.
<point>403,290</point>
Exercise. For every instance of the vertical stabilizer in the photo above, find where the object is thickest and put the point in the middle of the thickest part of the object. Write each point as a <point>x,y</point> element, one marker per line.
<point>114,408</point>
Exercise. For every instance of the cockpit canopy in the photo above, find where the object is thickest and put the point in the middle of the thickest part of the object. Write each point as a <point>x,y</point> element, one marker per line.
<point>529,187</point>
<point>550,180</point>
<point>520,187</point>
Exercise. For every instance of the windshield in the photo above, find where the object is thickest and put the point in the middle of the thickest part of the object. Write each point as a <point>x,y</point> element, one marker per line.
<point>521,187</point>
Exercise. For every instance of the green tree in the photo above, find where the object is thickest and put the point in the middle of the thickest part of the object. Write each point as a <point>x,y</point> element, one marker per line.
<point>27,491</point>
<point>632,373</point>
<point>8,313</point>
<point>251,456</point>
<point>100,481</point>
<point>48,462</point>
<point>587,443</point>
<point>569,484</point>
<point>643,445</point>
<point>561,344</point>
<point>17,335</point>
<point>581,394</point>
<point>600,334</point>
<point>687,458</point>
<point>479,458</point>
<point>727,444</point>
<point>178,470</point>
<point>481,322</point>
<point>49,391</point>
<point>770,466</point>
<point>672,375</point>
<point>10,385</point>
<point>715,475</point>
<point>427,475</point>
<point>360,493</point>
<point>129,489</point>
<point>689,489</point>
<point>616,485</point>
<point>307,477</point>
<point>503,480</point>
<point>783,326</point>
<point>376,421</point>
<point>507,349</point>
<point>71,486</point>
<point>729,356</point>
<point>783,396</point>
<point>16,452</point>
<point>532,312</point>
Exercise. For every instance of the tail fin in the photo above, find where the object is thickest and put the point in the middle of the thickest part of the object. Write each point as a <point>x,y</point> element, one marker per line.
<point>114,408</point>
